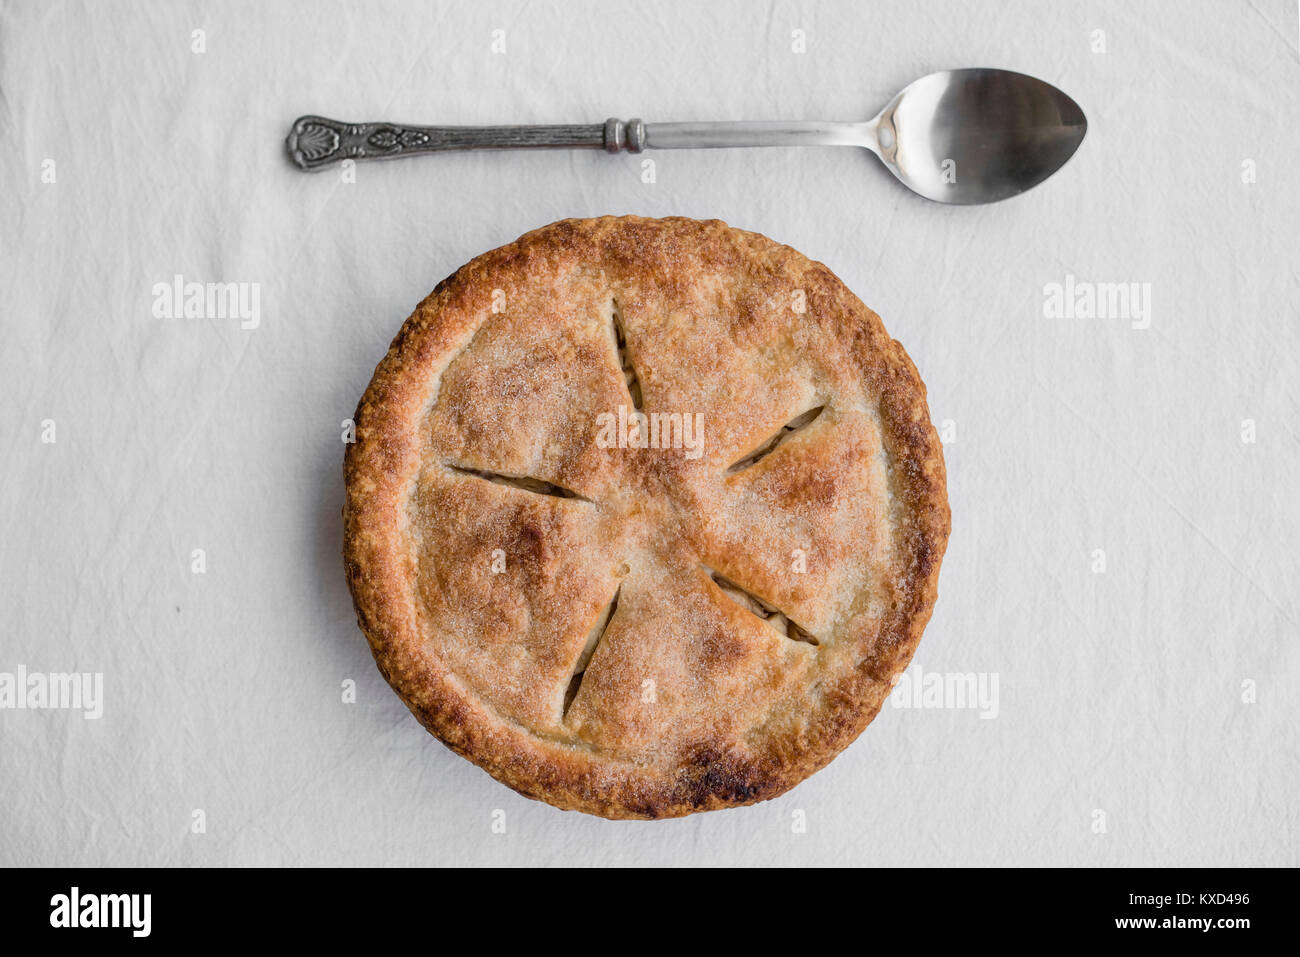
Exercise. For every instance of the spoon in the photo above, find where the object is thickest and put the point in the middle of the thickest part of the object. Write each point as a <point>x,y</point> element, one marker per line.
<point>960,136</point>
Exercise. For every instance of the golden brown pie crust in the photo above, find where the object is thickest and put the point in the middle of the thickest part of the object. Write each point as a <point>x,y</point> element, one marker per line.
<point>482,596</point>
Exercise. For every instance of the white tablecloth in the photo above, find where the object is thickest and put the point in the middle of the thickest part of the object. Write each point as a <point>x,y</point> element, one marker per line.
<point>1146,713</point>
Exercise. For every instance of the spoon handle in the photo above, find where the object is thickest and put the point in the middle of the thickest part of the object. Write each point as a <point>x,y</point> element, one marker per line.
<point>315,142</point>
<point>677,136</point>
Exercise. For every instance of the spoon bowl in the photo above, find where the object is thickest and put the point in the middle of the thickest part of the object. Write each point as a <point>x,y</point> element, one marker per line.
<point>977,136</point>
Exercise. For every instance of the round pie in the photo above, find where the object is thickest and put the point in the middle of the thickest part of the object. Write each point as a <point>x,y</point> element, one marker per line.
<point>644,516</point>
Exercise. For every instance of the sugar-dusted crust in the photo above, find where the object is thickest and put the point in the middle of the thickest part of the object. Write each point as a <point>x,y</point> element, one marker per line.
<point>482,598</point>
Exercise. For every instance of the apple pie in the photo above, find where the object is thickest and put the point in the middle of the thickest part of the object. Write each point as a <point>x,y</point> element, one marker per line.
<point>644,516</point>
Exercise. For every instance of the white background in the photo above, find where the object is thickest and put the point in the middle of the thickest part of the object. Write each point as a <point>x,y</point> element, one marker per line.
<point>1120,692</point>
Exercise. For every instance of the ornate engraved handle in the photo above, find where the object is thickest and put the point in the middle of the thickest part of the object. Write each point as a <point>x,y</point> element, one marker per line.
<point>315,141</point>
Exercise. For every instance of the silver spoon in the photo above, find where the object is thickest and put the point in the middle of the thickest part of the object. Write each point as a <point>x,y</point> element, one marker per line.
<point>960,136</point>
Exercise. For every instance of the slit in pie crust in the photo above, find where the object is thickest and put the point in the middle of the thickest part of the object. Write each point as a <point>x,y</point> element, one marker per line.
<point>644,516</point>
